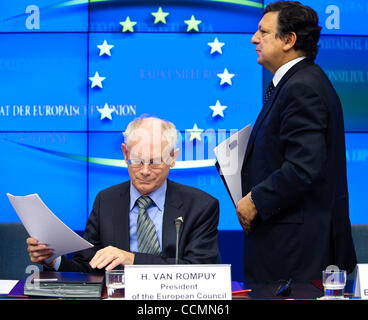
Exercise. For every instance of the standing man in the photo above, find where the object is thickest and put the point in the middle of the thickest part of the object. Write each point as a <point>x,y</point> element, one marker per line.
<point>295,209</point>
<point>134,222</point>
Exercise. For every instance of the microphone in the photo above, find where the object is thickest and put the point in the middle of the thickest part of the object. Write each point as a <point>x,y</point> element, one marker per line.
<point>284,288</point>
<point>178,222</point>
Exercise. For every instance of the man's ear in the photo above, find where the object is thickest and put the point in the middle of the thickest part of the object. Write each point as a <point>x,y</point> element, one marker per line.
<point>174,157</point>
<point>125,152</point>
<point>289,41</point>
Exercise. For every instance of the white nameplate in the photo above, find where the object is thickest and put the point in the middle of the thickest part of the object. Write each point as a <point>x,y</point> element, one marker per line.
<point>178,282</point>
<point>361,281</point>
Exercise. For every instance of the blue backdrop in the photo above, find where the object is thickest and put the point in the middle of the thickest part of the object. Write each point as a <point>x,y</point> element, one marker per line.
<point>60,124</point>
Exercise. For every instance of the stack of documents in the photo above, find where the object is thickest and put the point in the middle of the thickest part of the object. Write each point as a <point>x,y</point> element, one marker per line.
<point>44,226</point>
<point>230,155</point>
<point>64,285</point>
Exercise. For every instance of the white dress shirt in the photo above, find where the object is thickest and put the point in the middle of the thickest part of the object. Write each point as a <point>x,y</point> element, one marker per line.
<point>280,72</point>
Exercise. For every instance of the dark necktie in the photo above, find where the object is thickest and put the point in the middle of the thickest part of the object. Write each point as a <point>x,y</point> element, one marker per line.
<point>268,92</point>
<point>146,231</point>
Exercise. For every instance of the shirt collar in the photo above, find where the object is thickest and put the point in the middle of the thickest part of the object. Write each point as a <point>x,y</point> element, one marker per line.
<point>157,196</point>
<point>285,68</point>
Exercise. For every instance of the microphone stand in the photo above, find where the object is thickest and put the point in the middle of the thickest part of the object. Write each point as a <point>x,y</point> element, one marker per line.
<point>178,223</point>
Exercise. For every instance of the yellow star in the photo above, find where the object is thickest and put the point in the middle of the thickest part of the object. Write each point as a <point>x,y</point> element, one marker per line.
<point>128,25</point>
<point>160,16</point>
<point>195,133</point>
<point>192,24</point>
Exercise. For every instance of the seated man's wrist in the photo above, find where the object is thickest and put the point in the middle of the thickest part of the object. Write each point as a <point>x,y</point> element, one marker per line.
<point>133,256</point>
<point>54,264</point>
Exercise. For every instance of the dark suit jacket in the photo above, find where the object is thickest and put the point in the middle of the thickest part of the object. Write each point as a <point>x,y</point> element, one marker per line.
<point>108,225</point>
<point>295,166</point>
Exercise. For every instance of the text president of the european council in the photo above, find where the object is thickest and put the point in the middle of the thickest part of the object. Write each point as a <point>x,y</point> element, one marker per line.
<point>295,209</point>
<point>134,222</point>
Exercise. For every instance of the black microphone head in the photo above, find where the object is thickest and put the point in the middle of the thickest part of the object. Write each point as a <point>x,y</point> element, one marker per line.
<point>284,289</point>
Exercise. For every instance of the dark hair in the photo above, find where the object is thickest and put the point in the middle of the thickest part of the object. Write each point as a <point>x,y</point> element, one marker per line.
<point>303,20</point>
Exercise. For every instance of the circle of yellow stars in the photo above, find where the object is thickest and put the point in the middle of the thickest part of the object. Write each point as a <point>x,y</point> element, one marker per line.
<point>192,25</point>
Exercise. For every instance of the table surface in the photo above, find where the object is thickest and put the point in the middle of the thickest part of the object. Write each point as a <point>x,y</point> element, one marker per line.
<point>259,291</point>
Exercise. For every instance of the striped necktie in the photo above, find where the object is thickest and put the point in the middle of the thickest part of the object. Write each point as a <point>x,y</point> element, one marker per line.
<point>146,231</point>
<point>268,92</point>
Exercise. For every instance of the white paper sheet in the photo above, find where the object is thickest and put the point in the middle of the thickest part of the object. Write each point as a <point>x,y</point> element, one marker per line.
<point>44,226</point>
<point>7,285</point>
<point>230,155</point>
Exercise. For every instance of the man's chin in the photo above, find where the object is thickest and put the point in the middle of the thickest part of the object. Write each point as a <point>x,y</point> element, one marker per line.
<point>145,187</point>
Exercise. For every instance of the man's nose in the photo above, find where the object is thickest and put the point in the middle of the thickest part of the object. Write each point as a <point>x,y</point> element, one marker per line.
<point>146,169</point>
<point>255,38</point>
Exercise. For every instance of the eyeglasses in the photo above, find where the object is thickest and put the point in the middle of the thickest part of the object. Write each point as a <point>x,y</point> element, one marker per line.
<point>152,164</point>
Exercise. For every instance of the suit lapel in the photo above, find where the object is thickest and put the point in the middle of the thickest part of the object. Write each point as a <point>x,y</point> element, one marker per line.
<point>267,107</point>
<point>172,210</point>
<point>121,218</point>
<point>260,119</point>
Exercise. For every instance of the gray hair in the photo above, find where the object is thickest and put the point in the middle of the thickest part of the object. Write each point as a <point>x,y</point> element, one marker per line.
<point>168,131</point>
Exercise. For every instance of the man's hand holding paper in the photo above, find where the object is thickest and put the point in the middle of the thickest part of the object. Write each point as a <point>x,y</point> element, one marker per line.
<point>39,252</point>
<point>246,212</point>
<point>48,234</point>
